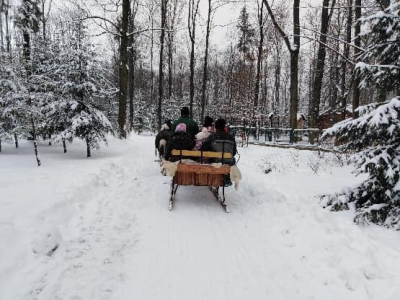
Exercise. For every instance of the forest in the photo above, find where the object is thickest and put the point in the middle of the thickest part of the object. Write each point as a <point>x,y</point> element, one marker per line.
<point>90,69</point>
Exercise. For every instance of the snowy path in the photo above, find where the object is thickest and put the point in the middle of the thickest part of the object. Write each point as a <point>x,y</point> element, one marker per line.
<point>121,242</point>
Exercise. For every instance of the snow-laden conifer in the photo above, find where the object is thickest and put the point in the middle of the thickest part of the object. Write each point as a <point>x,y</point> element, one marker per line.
<point>81,88</point>
<point>374,137</point>
<point>380,61</point>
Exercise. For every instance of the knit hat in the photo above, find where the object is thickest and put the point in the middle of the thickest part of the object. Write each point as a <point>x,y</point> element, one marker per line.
<point>185,111</point>
<point>181,127</point>
<point>208,121</point>
<point>220,124</point>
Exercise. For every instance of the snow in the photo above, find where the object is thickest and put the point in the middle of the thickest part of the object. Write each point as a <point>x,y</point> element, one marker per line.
<point>99,228</point>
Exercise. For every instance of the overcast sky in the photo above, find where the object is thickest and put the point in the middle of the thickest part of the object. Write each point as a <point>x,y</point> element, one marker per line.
<point>226,17</point>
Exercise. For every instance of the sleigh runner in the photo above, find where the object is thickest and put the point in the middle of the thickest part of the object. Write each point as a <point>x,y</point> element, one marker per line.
<point>200,174</point>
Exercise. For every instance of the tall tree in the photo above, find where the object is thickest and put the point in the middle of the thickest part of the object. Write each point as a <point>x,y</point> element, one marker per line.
<point>28,22</point>
<point>205,66</point>
<point>123,68</point>
<point>345,58</point>
<point>319,70</point>
<point>132,54</point>
<point>261,21</point>
<point>164,5</point>
<point>192,17</point>
<point>357,44</point>
<point>294,57</point>
<point>379,63</point>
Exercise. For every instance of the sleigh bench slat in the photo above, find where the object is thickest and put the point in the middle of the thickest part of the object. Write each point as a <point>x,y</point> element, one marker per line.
<point>209,169</point>
<point>195,153</point>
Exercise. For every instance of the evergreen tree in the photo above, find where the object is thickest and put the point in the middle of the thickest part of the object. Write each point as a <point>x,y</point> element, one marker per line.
<point>81,86</point>
<point>380,62</point>
<point>13,107</point>
<point>374,135</point>
<point>246,33</point>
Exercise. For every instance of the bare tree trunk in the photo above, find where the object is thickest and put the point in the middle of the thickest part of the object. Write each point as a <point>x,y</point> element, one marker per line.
<point>319,71</point>
<point>170,45</point>
<point>35,146</point>
<point>170,69</point>
<point>294,66</point>
<point>88,153</point>
<point>294,58</point>
<point>0,145</point>
<point>205,68</point>
<point>346,52</point>
<point>259,54</point>
<point>8,36</point>
<point>1,25</point>
<point>123,72</point>
<point>357,43</point>
<point>151,61</point>
<point>64,145</point>
<point>131,64</point>
<point>164,4</point>
<point>382,92</point>
<point>276,101</point>
<point>193,10</point>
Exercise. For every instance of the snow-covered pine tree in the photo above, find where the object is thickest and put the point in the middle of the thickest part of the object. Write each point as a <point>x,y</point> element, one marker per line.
<point>27,21</point>
<point>380,61</point>
<point>374,135</point>
<point>81,87</point>
<point>13,106</point>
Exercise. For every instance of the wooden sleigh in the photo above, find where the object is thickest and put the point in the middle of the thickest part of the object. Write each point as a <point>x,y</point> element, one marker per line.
<point>201,174</point>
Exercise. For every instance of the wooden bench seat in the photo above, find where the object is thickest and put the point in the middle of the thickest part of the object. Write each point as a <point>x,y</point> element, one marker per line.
<point>196,153</point>
<point>200,174</point>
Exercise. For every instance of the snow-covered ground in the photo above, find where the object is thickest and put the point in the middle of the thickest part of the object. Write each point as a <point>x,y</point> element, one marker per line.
<point>99,228</point>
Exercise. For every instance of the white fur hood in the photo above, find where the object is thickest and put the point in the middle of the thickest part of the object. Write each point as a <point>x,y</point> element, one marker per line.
<point>203,134</point>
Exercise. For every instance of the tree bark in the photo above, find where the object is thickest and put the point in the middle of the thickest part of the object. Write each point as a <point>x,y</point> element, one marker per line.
<point>170,45</point>
<point>151,62</point>
<point>123,72</point>
<point>357,43</point>
<point>205,67</point>
<point>294,58</point>
<point>346,53</point>
<point>131,64</point>
<point>193,10</point>
<point>35,146</point>
<point>277,87</point>
<point>164,4</point>
<point>260,13</point>
<point>88,153</point>
<point>1,25</point>
<point>8,38</point>
<point>319,71</point>
<point>64,145</point>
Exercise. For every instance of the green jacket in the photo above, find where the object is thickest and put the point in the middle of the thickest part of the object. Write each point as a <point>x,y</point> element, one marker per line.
<point>191,126</point>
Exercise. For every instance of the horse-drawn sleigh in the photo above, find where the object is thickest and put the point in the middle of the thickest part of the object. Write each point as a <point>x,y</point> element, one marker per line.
<point>193,168</point>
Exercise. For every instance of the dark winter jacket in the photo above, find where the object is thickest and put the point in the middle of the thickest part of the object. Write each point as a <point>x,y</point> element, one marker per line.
<point>220,141</point>
<point>163,134</point>
<point>179,141</point>
<point>191,126</point>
